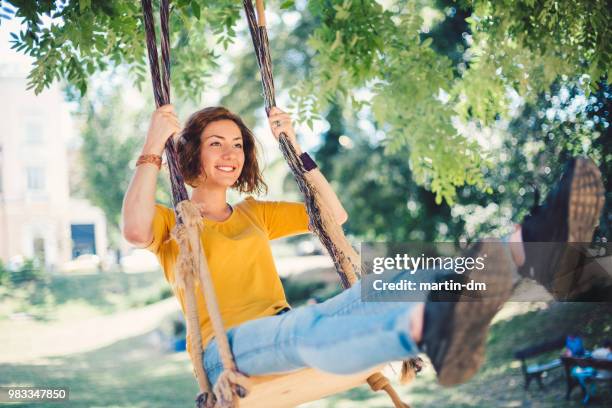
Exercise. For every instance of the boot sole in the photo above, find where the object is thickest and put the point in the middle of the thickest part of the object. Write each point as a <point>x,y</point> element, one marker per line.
<point>585,204</point>
<point>586,201</point>
<point>471,318</point>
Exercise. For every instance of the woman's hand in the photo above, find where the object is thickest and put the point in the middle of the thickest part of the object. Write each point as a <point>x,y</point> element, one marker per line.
<point>280,122</point>
<point>164,124</point>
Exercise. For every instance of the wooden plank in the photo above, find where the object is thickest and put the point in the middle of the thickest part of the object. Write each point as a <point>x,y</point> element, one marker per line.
<point>289,390</point>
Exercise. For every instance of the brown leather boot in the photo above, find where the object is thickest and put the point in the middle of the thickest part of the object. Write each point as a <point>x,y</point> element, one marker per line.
<point>455,329</point>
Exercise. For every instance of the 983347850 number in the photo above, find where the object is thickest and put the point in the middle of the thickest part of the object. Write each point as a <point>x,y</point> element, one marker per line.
<point>31,394</point>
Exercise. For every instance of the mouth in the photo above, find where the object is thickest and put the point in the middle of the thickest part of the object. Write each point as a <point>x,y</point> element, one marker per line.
<point>226,168</point>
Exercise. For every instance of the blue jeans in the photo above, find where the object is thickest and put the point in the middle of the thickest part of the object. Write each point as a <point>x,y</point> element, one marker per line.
<point>342,335</point>
<point>582,374</point>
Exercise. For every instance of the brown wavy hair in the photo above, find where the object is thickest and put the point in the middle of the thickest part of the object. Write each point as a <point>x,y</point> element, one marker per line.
<point>190,142</point>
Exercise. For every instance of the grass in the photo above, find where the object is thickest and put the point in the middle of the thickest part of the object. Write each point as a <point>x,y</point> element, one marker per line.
<point>134,372</point>
<point>65,297</point>
<point>129,373</point>
<point>499,383</point>
<point>58,297</point>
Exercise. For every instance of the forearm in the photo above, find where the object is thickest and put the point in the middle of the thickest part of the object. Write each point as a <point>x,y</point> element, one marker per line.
<point>139,201</point>
<point>139,204</point>
<point>327,194</point>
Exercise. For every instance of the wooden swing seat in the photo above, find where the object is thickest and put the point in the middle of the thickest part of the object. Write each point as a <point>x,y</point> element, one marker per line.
<point>305,385</point>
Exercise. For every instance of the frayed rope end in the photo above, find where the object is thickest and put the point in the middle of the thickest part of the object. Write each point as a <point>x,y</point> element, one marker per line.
<point>230,384</point>
<point>410,368</point>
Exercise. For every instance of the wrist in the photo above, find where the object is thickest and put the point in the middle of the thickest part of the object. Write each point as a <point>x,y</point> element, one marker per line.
<point>153,159</point>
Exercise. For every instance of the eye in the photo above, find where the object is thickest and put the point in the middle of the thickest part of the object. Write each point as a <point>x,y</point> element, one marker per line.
<point>215,144</point>
<point>238,145</point>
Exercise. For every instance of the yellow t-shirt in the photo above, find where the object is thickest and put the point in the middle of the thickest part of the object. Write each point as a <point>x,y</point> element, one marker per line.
<point>239,257</point>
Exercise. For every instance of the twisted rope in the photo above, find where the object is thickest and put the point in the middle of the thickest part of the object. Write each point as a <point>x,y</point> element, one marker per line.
<point>161,89</point>
<point>321,221</point>
<point>164,16</point>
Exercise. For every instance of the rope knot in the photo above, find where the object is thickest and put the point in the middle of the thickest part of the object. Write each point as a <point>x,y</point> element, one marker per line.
<point>185,261</point>
<point>189,213</point>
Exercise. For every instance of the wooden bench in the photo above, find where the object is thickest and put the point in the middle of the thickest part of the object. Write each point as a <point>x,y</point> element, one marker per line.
<point>570,362</point>
<point>537,370</point>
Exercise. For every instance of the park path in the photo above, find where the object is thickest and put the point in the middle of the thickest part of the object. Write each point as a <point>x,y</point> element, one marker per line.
<point>26,340</point>
<point>22,341</point>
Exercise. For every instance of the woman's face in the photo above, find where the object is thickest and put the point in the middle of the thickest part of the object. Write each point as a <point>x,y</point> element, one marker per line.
<point>222,153</point>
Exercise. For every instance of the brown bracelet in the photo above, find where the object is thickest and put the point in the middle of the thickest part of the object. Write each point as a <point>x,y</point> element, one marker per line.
<point>149,158</point>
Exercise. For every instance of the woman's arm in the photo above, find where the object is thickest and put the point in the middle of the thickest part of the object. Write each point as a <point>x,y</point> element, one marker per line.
<point>329,197</point>
<point>139,201</point>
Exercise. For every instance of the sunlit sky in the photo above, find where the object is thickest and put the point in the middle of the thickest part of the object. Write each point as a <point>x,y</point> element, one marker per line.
<point>8,56</point>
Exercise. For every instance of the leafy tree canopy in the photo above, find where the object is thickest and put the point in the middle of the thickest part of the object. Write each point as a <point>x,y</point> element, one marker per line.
<point>378,48</point>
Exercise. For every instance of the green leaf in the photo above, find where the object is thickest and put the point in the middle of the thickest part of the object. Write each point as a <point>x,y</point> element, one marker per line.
<point>427,42</point>
<point>84,5</point>
<point>195,8</point>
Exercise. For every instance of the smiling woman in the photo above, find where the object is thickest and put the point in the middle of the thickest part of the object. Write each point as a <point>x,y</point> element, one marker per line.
<point>216,150</point>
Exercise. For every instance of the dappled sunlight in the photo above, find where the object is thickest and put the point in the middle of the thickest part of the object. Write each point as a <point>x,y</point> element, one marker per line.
<point>512,309</point>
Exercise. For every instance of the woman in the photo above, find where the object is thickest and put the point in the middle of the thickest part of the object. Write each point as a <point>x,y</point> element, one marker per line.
<point>216,152</point>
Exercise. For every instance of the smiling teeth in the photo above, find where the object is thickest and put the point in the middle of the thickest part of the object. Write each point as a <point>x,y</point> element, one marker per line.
<point>225,168</point>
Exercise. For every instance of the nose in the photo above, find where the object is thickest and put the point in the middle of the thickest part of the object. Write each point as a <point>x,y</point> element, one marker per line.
<point>228,152</point>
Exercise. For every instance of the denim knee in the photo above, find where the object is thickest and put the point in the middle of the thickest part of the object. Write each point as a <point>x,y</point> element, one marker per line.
<point>359,349</point>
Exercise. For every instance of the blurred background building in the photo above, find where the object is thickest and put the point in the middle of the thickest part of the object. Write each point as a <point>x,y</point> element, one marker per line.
<point>38,218</point>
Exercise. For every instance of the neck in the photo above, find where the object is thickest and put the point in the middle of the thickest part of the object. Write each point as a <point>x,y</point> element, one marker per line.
<point>212,199</point>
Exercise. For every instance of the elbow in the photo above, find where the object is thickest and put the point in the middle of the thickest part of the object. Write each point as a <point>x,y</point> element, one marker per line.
<point>132,229</point>
<point>136,236</point>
